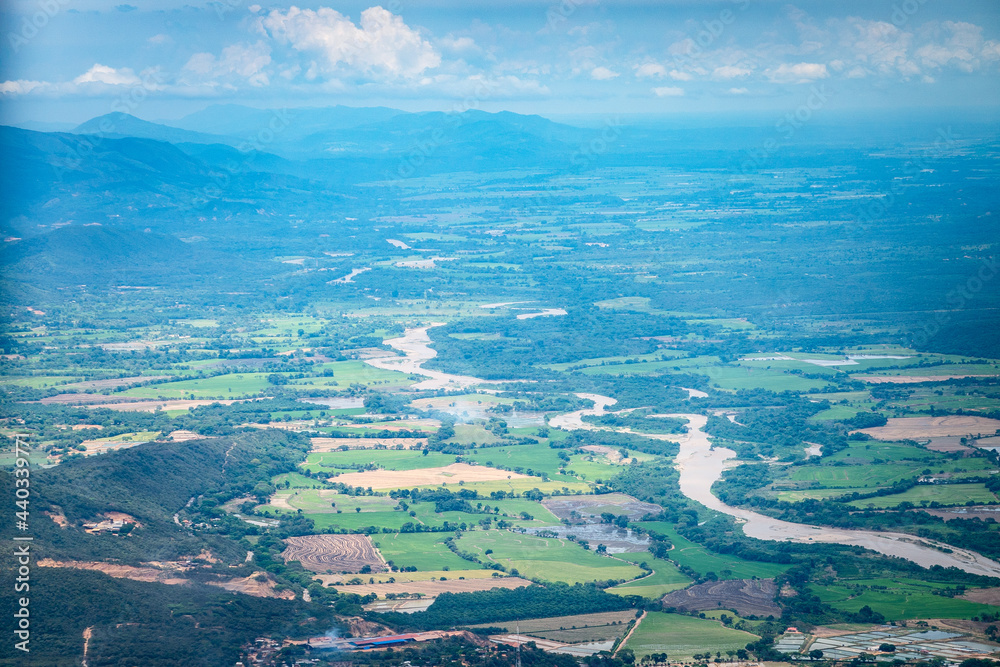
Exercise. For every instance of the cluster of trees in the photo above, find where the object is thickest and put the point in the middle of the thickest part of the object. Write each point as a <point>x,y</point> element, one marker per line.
<point>499,605</point>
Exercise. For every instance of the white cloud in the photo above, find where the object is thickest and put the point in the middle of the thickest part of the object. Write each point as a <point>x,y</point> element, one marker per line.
<point>459,44</point>
<point>677,75</point>
<point>730,72</point>
<point>961,47</point>
<point>160,39</point>
<point>738,91</point>
<point>21,87</point>
<point>873,47</point>
<point>650,70</point>
<point>798,73</point>
<point>382,45</point>
<point>246,61</point>
<point>108,76</point>
<point>602,74</point>
<point>668,91</point>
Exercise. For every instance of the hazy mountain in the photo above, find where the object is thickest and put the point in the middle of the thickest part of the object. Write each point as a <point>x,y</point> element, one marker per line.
<point>242,121</point>
<point>347,131</point>
<point>117,124</point>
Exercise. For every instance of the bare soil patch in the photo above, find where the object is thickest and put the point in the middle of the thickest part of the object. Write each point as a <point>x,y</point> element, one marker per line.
<point>170,575</point>
<point>573,629</point>
<point>173,573</point>
<point>58,517</point>
<point>746,596</point>
<point>983,595</point>
<point>922,428</point>
<point>950,443</point>
<point>962,512</point>
<point>567,507</point>
<point>334,553</point>
<point>261,588</point>
<point>435,588</point>
<point>115,383</point>
<point>911,379</point>
<point>610,453</point>
<point>90,399</point>
<point>333,444</point>
<point>451,474</point>
<point>187,436</point>
<point>153,406</point>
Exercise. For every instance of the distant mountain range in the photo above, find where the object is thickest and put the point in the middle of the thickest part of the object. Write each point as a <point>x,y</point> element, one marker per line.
<point>346,131</point>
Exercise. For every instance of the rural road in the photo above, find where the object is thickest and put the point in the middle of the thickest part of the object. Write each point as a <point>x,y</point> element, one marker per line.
<point>629,635</point>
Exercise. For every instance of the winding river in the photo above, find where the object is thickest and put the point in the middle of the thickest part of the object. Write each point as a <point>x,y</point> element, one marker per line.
<point>415,345</point>
<point>700,466</point>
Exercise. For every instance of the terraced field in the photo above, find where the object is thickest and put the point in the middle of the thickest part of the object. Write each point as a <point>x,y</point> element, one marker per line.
<point>334,553</point>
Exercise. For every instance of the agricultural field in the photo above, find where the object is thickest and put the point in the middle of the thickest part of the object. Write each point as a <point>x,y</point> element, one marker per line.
<point>898,599</point>
<point>334,553</point>
<point>234,385</point>
<point>680,637</point>
<point>458,474</point>
<point>940,494</point>
<point>385,459</point>
<point>747,597</point>
<point>575,508</point>
<point>922,428</point>
<point>547,559</point>
<point>859,475</point>
<point>701,560</point>
<point>664,579</point>
<point>446,583</point>
<point>423,551</point>
<point>573,629</point>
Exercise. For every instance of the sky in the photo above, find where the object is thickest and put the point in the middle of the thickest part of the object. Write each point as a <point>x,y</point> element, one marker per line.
<point>65,61</point>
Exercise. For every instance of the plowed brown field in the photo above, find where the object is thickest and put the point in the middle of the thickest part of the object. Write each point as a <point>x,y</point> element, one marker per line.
<point>334,553</point>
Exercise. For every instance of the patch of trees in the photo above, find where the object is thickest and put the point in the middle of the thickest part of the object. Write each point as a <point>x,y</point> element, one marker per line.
<point>779,431</point>
<point>499,605</point>
<point>586,332</point>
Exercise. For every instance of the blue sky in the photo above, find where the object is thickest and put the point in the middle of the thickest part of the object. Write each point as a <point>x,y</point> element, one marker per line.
<point>69,60</point>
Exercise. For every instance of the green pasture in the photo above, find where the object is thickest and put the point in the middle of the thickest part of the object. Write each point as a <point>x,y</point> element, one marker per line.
<point>665,578</point>
<point>944,494</point>
<point>548,559</point>
<point>424,551</point>
<point>898,599</point>
<point>702,561</point>
<point>682,636</point>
